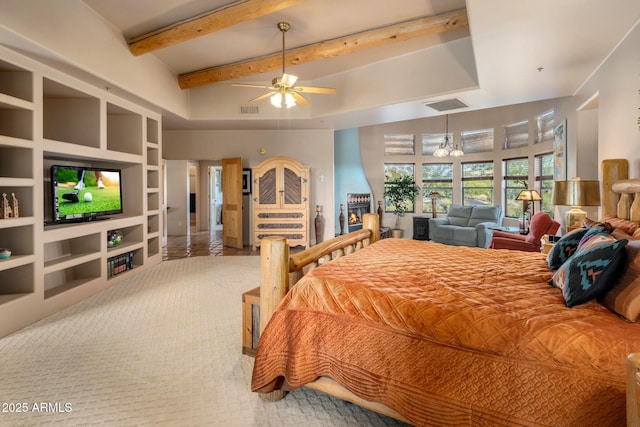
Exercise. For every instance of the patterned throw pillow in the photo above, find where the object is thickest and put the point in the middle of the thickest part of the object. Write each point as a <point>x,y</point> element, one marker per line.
<point>564,248</point>
<point>592,270</point>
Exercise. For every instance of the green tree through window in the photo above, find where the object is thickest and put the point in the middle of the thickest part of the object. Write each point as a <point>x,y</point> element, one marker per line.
<point>516,179</point>
<point>393,171</point>
<point>477,183</point>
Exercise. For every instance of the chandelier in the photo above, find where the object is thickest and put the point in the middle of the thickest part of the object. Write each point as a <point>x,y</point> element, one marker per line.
<point>447,148</point>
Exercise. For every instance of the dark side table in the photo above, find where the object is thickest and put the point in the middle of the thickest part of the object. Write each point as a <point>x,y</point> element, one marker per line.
<point>420,228</point>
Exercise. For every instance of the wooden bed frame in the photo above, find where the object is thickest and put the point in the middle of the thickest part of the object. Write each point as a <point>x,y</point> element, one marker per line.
<point>280,271</point>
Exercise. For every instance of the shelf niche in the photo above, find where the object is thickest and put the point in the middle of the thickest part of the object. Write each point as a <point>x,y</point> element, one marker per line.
<point>63,251</point>
<point>16,82</point>
<point>16,122</point>
<point>70,115</point>
<point>152,130</point>
<point>16,162</point>
<point>18,239</point>
<point>66,279</point>
<point>16,282</point>
<point>124,130</point>
<point>25,200</point>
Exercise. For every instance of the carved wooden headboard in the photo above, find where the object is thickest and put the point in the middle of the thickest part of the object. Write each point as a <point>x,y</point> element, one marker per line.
<point>620,195</point>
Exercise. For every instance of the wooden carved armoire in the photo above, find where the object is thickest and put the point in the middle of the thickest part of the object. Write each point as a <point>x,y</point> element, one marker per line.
<point>280,201</point>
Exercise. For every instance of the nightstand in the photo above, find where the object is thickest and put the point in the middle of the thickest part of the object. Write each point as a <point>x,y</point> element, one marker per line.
<point>420,228</point>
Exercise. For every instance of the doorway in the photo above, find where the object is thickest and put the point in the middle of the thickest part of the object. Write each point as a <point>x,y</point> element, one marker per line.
<point>215,198</point>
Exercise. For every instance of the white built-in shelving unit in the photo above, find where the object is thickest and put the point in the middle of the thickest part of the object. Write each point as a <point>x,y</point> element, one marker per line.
<point>48,117</point>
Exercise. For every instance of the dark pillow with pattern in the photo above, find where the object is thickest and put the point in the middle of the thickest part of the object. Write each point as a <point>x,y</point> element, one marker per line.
<point>567,245</point>
<point>564,248</point>
<point>592,270</point>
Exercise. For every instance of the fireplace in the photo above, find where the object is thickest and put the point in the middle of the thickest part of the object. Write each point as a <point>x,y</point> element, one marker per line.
<point>358,204</point>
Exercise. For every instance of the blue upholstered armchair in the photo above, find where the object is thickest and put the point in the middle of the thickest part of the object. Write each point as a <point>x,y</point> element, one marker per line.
<point>466,225</point>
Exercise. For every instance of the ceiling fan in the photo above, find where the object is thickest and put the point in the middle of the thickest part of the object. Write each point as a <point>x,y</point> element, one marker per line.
<point>283,89</point>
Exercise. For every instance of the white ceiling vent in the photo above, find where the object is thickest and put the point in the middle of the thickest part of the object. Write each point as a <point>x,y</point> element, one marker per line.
<point>447,104</point>
<point>249,109</point>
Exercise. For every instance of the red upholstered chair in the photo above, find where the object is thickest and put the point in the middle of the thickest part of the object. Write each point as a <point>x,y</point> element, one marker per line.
<point>541,224</point>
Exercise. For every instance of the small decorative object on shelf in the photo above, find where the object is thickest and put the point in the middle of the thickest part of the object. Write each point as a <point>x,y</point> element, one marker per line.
<point>380,211</point>
<point>16,204</point>
<point>319,223</point>
<point>114,238</point>
<point>5,253</point>
<point>6,211</point>
<point>341,219</point>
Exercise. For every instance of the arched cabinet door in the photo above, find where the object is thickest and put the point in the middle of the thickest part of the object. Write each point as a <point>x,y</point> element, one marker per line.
<point>280,201</point>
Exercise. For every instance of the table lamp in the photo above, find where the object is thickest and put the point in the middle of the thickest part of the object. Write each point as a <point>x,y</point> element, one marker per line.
<point>527,197</point>
<point>576,193</point>
<point>433,195</point>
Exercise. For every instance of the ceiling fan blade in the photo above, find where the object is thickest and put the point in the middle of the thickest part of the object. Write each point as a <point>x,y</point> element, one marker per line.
<point>300,100</point>
<point>312,89</point>
<point>261,97</point>
<point>247,85</point>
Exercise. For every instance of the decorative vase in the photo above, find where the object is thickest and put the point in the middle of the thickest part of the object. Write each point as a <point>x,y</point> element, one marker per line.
<point>341,219</point>
<point>319,223</point>
<point>114,238</point>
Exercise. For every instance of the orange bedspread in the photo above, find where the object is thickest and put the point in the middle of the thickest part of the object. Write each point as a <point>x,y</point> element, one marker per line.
<point>450,335</point>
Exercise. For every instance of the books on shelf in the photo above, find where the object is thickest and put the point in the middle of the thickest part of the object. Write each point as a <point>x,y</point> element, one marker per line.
<point>119,264</point>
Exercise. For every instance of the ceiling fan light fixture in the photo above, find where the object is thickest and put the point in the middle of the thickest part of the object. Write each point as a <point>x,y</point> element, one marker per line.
<point>279,100</point>
<point>284,92</point>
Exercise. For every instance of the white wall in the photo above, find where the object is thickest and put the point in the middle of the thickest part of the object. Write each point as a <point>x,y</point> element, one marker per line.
<point>310,147</point>
<point>617,82</point>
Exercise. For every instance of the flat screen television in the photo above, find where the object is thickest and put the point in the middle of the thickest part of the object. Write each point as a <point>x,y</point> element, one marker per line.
<point>85,193</point>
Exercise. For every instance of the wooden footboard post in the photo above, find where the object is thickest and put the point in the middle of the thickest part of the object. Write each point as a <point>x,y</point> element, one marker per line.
<point>633,389</point>
<point>372,222</point>
<point>274,284</point>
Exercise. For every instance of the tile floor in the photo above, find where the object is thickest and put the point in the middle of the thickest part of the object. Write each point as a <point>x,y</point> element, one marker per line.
<point>203,243</point>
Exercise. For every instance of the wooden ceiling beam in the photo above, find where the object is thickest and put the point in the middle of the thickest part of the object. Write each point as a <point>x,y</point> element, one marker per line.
<point>329,48</point>
<point>206,23</point>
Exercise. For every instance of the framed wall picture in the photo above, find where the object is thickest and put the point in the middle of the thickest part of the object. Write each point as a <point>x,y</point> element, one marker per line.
<point>560,151</point>
<point>246,181</point>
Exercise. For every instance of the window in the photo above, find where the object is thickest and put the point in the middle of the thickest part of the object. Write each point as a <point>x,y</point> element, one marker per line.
<point>437,177</point>
<point>477,141</point>
<point>477,183</point>
<point>398,144</point>
<point>393,171</point>
<point>516,179</point>
<point>544,127</point>
<point>544,180</point>
<point>516,135</point>
<point>431,142</point>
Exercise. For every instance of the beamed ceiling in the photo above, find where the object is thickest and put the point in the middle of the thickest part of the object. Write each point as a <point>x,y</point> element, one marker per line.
<point>386,59</point>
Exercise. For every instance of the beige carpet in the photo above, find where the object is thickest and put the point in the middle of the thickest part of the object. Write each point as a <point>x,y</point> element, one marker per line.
<point>161,348</point>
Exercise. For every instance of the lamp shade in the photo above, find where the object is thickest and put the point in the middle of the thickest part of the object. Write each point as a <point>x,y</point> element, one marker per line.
<point>576,193</point>
<point>529,195</point>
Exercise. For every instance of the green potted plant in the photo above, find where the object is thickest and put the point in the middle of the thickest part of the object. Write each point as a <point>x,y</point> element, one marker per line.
<point>400,194</point>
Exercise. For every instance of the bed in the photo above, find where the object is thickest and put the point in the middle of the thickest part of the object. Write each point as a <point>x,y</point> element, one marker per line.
<point>441,335</point>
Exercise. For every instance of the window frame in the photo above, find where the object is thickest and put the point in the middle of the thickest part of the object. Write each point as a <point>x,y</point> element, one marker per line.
<point>387,183</point>
<point>545,191</point>
<point>432,184</point>
<point>508,188</point>
<point>464,179</point>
